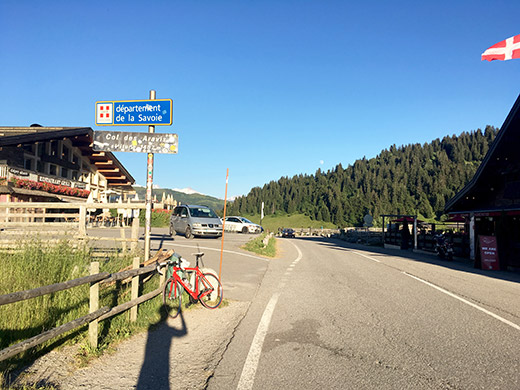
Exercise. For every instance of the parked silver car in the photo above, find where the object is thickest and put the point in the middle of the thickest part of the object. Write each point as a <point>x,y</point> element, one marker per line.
<point>193,220</point>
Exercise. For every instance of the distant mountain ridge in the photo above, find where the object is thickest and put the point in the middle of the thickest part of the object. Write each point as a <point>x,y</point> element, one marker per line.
<point>188,190</point>
<point>183,197</point>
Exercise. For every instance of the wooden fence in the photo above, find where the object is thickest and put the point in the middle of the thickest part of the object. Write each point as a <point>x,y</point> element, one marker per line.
<point>96,314</point>
<point>55,221</point>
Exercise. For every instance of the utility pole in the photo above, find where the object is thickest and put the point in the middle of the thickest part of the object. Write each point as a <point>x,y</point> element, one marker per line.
<point>148,199</point>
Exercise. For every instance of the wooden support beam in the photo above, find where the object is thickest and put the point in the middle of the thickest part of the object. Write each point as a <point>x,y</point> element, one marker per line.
<point>106,162</point>
<point>108,170</point>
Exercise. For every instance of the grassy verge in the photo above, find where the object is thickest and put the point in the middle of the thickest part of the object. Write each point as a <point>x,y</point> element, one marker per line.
<point>257,246</point>
<point>34,265</point>
<point>273,222</point>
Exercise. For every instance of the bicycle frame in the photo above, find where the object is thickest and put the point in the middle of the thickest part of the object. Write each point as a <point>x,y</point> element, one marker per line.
<point>195,294</point>
<point>206,289</point>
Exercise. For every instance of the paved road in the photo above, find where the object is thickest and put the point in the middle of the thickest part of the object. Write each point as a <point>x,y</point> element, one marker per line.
<point>324,314</point>
<point>329,316</point>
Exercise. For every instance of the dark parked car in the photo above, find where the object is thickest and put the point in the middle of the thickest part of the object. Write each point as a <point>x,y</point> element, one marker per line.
<point>288,233</point>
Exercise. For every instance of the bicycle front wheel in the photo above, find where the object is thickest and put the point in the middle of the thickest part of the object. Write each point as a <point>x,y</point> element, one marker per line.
<point>172,297</point>
<point>210,288</point>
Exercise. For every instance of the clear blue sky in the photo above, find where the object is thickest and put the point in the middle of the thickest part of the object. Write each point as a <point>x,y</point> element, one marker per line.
<point>264,88</point>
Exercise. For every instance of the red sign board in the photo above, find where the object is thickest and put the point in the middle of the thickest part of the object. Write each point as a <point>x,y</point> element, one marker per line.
<point>488,252</point>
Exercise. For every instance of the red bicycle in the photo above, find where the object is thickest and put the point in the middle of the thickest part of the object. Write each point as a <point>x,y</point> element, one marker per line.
<point>205,287</point>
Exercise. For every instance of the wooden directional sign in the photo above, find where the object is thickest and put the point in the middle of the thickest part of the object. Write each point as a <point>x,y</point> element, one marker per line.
<point>122,141</point>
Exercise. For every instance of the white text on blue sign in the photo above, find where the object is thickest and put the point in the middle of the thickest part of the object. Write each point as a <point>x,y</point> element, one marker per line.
<point>134,112</point>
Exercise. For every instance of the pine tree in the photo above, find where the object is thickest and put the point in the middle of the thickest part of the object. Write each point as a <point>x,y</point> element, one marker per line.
<point>400,180</point>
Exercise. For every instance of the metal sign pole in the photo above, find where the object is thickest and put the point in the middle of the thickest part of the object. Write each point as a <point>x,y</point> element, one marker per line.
<point>148,200</point>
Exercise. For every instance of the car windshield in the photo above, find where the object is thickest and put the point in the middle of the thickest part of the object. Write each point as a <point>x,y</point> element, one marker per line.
<point>202,212</point>
<point>245,220</point>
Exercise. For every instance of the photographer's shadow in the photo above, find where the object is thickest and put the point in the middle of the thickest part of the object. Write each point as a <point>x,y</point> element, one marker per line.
<point>155,371</point>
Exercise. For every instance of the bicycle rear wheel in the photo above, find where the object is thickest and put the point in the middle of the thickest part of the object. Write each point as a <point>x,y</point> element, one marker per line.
<point>172,297</point>
<point>210,288</point>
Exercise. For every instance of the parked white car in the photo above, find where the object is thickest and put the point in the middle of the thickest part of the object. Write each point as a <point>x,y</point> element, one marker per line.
<point>241,225</point>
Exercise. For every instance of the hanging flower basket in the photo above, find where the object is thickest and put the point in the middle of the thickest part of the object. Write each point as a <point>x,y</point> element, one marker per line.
<point>47,187</point>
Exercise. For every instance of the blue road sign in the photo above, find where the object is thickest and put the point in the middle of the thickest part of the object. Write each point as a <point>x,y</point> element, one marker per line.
<point>134,113</point>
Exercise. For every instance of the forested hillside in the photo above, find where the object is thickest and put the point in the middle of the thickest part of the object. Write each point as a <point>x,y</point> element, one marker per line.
<point>411,179</point>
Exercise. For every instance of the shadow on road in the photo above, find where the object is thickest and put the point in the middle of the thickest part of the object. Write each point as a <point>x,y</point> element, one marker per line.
<point>155,371</point>
<point>160,238</point>
<point>457,264</point>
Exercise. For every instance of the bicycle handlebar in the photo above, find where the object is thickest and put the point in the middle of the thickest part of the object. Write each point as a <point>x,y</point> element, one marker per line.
<point>165,263</point>
<point>178,261</point>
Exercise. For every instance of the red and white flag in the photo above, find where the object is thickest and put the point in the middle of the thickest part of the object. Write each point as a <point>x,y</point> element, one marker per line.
<point>507,49</point>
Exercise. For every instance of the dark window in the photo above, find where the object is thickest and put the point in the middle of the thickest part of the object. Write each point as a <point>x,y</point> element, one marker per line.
<point>65,154</point>
<point>52,169</point>
<point>28,148</point>
<point>41,149</point>
<point>39,166</point>
<point>64,172</point>
<point>28,163</point>
<point>54,148</point>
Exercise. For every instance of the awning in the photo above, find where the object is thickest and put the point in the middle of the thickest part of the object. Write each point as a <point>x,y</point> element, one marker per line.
<point>457,219</point>
<point>406,219</point>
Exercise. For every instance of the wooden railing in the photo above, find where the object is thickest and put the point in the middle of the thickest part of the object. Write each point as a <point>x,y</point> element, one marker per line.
<point>96,279</point>
<point>22,220</point>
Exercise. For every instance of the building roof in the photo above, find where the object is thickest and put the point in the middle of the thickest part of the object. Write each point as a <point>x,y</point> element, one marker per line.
<point>81,137</point>
<point>492,180</point>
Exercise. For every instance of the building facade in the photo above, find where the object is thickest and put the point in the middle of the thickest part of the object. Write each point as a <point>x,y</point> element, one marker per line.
<point>490,202</point>
<point>57,164</point>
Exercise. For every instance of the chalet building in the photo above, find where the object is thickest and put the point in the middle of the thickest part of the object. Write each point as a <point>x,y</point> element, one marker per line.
<point>57,164</point>
<point>490,202</point>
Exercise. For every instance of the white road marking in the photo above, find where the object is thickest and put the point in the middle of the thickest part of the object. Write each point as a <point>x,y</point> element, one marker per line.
<point>253,357</point>
<point>507,322</point>
<point>247,378</point>
<point>368,257</point>
<point>217,250</point>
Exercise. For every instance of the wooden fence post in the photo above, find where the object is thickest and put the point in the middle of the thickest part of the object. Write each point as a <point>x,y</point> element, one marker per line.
<point>82,220</point>
<point>135,232</point>
<point>123,241</point>
<point>135,290</point>
<point>162,277</point>
<point>94,305</point>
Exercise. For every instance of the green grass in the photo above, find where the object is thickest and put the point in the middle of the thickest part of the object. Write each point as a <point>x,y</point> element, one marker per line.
<point>257,246</point>
<point>35,265</point>
<point>159,218</point>
<point>4,384</point>
<point>273,222</point>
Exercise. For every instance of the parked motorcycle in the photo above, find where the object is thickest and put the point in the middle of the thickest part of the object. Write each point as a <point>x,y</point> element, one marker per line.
<point>443,247</point>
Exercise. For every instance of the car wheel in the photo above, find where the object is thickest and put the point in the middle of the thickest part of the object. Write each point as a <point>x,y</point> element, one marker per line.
<point>188,234</point>
<point>245,230</point>
<point>172,231</point>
